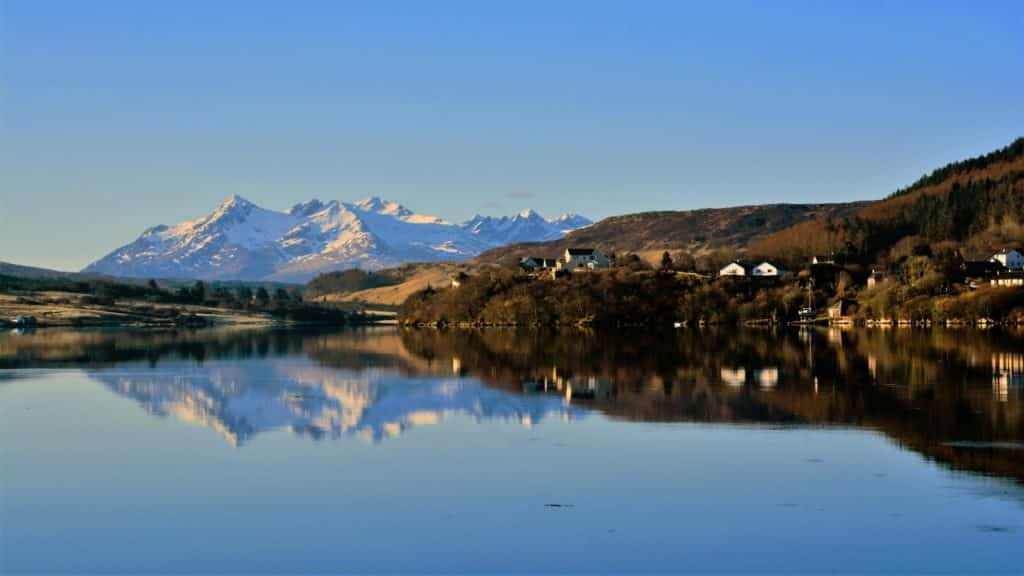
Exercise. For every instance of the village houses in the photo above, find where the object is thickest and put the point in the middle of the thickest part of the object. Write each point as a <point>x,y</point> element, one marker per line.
<point>573,260</point>
<point>765,269</point>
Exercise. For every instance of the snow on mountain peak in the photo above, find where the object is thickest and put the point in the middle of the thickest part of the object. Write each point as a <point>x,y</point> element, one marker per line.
<point>242,241</point>
<point>307,208</point>
<point>381,206</point>
<point>235,201</point>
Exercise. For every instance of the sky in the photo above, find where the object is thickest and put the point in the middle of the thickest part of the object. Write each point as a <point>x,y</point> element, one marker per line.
<point>118,116</point>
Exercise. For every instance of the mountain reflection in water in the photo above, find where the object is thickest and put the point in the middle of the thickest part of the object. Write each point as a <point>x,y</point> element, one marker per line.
<point>952,395</point>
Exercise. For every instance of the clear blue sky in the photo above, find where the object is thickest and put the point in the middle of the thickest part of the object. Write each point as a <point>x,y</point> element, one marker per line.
<point>117,116</point>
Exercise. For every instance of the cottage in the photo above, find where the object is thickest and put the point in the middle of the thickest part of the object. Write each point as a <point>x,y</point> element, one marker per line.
<point>735,268</point>
<point>1009,258</point>
<point>536,263</point>
<point>582,259</point>
<point>768,269</point>
<point>458,279</point>
<point>1009,278</point>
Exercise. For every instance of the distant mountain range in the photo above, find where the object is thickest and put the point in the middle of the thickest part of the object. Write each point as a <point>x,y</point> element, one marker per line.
<point>242,241</point>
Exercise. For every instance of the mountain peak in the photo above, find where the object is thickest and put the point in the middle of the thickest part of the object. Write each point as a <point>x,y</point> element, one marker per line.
<point>307,208</point>
<point>242,241</point>
<point>235,199</point>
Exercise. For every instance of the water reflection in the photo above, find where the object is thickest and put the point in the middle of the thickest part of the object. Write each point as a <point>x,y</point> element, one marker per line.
<point>952,395</point>
<point>240,400</point>
<point>1007,375</point>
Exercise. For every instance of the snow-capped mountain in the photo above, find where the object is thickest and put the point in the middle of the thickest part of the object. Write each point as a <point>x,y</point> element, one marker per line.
<point>241,241</point>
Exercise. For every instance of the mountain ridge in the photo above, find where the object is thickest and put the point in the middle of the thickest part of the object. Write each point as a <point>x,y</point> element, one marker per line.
<point>240,240</point>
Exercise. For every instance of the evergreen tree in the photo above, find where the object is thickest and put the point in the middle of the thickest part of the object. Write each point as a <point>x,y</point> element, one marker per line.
<point>666,261</point>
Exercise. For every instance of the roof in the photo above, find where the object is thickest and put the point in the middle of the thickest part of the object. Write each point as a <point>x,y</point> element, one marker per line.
<point>771,263</point>
<point>580,251</point>
<point>741,263</point>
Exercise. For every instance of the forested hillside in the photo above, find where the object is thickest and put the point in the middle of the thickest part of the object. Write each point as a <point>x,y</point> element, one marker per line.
<point>976,206</point>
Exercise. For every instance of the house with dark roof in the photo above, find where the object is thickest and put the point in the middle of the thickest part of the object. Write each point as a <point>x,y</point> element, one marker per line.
<point>581,259</point>
<point>768,269</point>
<point>537,263</point>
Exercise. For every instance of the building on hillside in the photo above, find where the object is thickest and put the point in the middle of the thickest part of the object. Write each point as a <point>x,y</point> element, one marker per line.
<point>768,269</point>
<point>536,263</point>
<point>1009,258</point>
<point>823,259</point>
<point>458,279</point>
<point>1009,278</point>
<point>735,268</point>
<point>582,259</point>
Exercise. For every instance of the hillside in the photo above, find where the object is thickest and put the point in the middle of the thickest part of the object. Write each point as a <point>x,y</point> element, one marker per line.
<point>977,203</point>
<point>975,206</point>
<point>696,231</point>
<point>397,285</point>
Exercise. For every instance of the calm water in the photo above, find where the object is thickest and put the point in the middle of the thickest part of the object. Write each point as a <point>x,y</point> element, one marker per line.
<point>382,450</point>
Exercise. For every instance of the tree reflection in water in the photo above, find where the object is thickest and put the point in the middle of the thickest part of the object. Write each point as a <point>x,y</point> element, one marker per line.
<point>953,395</point>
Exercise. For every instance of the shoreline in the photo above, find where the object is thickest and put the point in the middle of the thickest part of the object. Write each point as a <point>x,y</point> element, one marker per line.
<point>58,310</point>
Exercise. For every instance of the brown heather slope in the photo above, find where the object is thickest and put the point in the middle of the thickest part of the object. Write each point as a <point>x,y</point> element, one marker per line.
<point>410,278</point>
<point>977,204</point>
<point>692,230</point>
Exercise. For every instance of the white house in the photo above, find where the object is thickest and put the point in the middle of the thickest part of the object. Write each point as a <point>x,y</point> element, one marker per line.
<point>735,268</point>
<point>578,259</point>
<point>1009,258</point>
<point>767,268</point>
